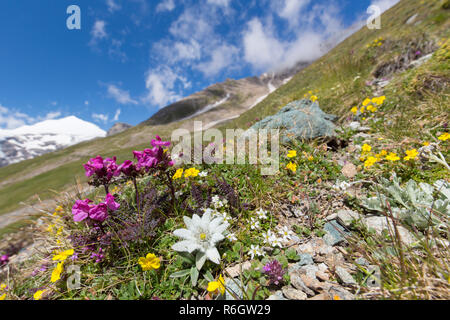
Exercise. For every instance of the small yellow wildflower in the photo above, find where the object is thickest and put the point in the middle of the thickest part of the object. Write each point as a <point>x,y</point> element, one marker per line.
<point>444,137</point>
<point>63,255</point>
<point>50,228</point>
<point>192,172</point>
<point>354,110</point>
<point>370,162</point>
<point>411,154</point>
<point>56,274</point>
<point>310,158</point>
<point>362,109</point>
<point>2,287</point>
<point>366,148</point>
<point>38,295</point>
<point>292,166</point>
<point>150,262</point>
<point>292,154</point>
<point>217,286</point>
<point>366,102</point>
<point>372,108</point>
<point>178,174</point>
<point>313,98</point>
<point>3,297</point>
<point>392,157</point>
<point>426,144</point>
<point>336,297</point>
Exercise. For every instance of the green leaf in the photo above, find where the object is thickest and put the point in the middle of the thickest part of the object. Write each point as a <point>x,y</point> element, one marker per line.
<point>194,276</point>
<point>208,276</point>
<point>180,274</point>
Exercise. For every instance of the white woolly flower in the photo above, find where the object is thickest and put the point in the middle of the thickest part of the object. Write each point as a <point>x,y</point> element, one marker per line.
<point>267,236</point>
<point>286,234</point>
<point>261,213</point>
<point>203,174</point>
<point>202,235</point>
<point>254,224</point>
<point>255,251</point>
<point>274,241</point>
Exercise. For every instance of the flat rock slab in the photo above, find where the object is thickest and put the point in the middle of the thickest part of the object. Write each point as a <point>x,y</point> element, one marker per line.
<point>335,233</point>
<point>301,119</point>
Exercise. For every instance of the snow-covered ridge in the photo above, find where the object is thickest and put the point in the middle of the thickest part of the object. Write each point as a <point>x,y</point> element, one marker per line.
<point>30,141</point>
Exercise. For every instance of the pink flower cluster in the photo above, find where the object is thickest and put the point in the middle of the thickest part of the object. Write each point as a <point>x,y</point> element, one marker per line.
<point>101,168</point>
<point>82,209</point>
<point>150,158</point>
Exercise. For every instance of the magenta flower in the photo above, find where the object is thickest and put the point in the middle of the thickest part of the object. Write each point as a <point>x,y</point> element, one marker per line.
<point>127,168</point>
<point>111,203</point>
<point>159,143</point>
<point>275,272</point>
<point>81,209</point>
<point>4,259</point>
<point>106,168</point>
<point>99,212</point>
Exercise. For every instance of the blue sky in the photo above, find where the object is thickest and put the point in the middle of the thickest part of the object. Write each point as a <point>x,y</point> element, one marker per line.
<point>132,57</point>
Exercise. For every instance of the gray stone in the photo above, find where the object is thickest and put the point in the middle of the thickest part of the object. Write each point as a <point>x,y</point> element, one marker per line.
<point>379,224</point>
<point>293,294</point>
<point>335,233</point>
<point>309,270</point>
<point>420,61</point>
<point>412,18</point>
<point>278,295</point>
<point>305,259</point>
<point>301,119</point>
<point>345,277</point>
<point>341,293</point>
<point>235,286</point>
<point>345,217</point>
<point>362,262</point>
<point>298,283</point>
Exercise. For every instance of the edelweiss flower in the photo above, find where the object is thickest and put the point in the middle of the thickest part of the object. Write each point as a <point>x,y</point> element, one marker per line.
<point>268,237</point>
<point>275,242</point>
<point>202,235</point>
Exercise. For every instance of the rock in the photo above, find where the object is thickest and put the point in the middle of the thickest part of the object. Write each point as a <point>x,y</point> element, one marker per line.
<point>278,295</point>
<point>341,293</point>
<point>332,260</point>
<point>293,294</point>
<point>379,224</point>
<point>117,128</point>
<point>321,296</point>
<point>322,276</point>
<point>298,283</point>
<point>305,259</point>
<point>420,61</point>
<point>345,217</point>
<point>345,277</point>
<point>335,233</point>
<point>356,126</point>
<point>322,267</point>
<point>309,270</point>
<point>234,271</point>
<point>349,170</point>
<point>362,262</point>
<point>301,119</point>
<point>314,284</point>
<point>412,18</point>
<point>235,286</point>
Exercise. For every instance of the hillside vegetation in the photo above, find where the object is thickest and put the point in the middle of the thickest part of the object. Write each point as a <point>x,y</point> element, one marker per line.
<point>388,163</point>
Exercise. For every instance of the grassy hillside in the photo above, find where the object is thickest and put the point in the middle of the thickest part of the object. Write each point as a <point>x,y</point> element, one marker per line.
<point>388,185</point>
<point>339,78</point>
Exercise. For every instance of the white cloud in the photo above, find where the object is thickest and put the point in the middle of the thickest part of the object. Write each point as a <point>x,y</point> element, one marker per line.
<point>384,4</point>
<point>11,119</point>
<point>221,57</point>
<point>161,86</point>
<point>98,31</point>
<point>117,115</point>
<point>52,115</point>
<point>165,5</point>
<point>222,3</point>
<point>101,118</point>
<point>291,10</point>
<point>112,6</point>
<point>121,96</point>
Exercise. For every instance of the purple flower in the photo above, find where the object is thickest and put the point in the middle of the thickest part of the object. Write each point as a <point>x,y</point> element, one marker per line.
<point>418,53</point>
<point>80,210</point>
<point>4,259</point>
<point>111,203</point>
<point>159,143</point>
<point>127,168</point>
<point>98,256</point>
<point>275,272</point>
<point>99,212</point>
<point>106,168</point>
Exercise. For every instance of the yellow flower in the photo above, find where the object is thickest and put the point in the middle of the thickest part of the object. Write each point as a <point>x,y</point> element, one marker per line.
<point>354,110</point>
<point>150,262</point>
<point>50,228</point>
<point>178,174</point>
<point>444,137</point>
<point>366,148</point>
<point>192,172</point>
<point>292,154</point>
<point>217,286</point>
<point>56,274</point>
<point>3,297</point>
<point>411,154</point>
<point>2,287</point>
<point>366,102</point>
<point>379,100</point>
<point>313,98</point>
<point>292,166</point>
<point>336,297</point>
<point>38,294</point>
<point>63,255</point>
<point>392,157</point>
<point>371,108</point>
<point>370,162</point>
<point>362,109</point>
<point>426,143</point>
<point>310,158</point>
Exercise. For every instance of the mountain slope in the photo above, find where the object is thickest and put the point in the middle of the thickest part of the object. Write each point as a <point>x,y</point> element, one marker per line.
<point>31,141</point>
<point>340,76</point>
